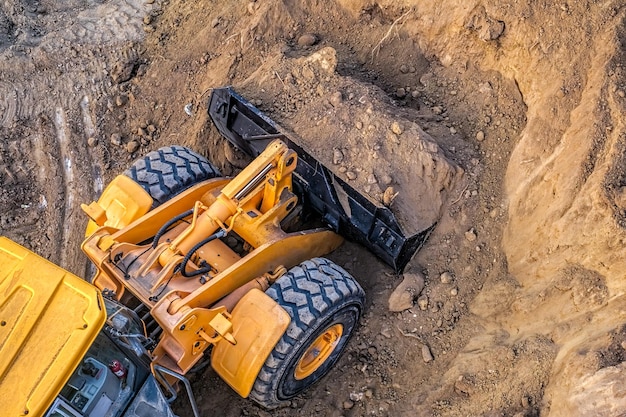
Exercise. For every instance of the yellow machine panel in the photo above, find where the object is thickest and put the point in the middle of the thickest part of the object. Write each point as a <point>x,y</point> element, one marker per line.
<point>48,319</point>
<point>258,324</point>
<point>122,202</point>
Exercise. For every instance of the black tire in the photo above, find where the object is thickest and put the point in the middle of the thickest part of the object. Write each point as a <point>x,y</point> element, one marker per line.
<point>167,171</point>
<point>318,295</point>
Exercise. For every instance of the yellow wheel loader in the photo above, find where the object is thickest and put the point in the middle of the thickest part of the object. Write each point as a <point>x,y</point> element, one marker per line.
<point>193,268</point>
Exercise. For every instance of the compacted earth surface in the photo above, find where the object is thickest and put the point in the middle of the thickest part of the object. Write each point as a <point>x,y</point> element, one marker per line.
<point>500,122</point>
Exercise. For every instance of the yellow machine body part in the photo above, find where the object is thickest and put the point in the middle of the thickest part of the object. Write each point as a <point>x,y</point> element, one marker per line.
<point>258,324</point>
<point>122,202</point>
<point>48,319</point>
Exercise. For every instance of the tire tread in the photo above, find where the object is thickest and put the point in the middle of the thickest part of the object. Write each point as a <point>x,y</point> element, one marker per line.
<point>169,170</point>
<point>306,292</point>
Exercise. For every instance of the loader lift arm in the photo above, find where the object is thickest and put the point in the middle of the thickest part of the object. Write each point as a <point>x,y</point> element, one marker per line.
<point>344,209</point>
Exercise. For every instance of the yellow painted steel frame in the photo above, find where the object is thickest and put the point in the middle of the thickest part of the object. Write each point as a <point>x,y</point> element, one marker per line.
<point>252,205</point>
<point>97,245</point>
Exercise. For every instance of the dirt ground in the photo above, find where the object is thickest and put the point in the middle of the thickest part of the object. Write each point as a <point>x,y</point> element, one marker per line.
<point>499,121</point>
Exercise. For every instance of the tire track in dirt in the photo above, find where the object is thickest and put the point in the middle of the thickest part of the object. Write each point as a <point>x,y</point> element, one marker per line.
<point>61,82</point>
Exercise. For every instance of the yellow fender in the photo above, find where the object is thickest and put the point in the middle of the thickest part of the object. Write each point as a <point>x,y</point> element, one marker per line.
<point>121,203</point>
<point>258,324</point>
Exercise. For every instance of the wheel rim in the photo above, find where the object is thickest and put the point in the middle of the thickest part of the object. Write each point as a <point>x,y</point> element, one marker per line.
<point>318,352</point>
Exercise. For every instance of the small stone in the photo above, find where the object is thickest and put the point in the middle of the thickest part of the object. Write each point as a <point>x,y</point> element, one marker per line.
<point>356,396</point>
<point>401,92</point>
<point>396,128</point>
<point>359,125</point>
<point>454,291</point>
<point>336,98</point>
<point>337,156</point>
<point>215,22</point>
<point>621,93</point>
<point>351,175</point>
<point>415,93</point>
<point>470,235</point>
<point>388,196</point>
<point>446,277</point>
<point>422,302</point>
<point>371,179</point>
<point>404,69</point>
<point>437,110</point>
<point>480,136</point>
<point>132,146</point>
<point>402,297</point>
<point>452,130</point>
<point>386,179</point>
<point>525,401</point>
<point>141,132</point>
<point>369,393</point>
<point>120,100</point>
<point>147,19</point>
<point>116,139</point>
<point>343,169</point>
<point>453,92</point>
<point>308,39</point>
<point>494,213</point>
<point>427,354</point>
<point>348,404</point>
<point>92,141</point>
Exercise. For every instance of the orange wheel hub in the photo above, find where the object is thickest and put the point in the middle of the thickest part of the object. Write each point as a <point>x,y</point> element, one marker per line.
<point>318,352</point>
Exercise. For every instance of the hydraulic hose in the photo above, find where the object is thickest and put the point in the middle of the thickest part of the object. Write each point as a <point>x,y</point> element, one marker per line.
<point>167,225</point>
<point>183,266</point>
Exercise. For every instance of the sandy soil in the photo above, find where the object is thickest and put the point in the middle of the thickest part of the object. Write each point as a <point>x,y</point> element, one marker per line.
<point>499,121</point>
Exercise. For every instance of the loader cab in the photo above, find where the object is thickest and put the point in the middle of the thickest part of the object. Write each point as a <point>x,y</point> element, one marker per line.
<point>111,373</point>
<point>67,351</point>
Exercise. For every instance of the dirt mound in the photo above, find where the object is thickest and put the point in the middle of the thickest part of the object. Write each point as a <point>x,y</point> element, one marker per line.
<point>376,146</point>
<point>500,121</point>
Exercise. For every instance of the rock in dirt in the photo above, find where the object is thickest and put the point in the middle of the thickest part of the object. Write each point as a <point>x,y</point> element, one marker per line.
<point>396,128</point>
<point>132,146</point>
<point>480,136</point>
<point>388,196</point>
<point>422,302</point>
<point>92,141</point>
<point>470,235</point>
<point>402,297</point>
<point>116,139</point>
<point>446,277</point>
<point>308,39</point>
<point>122,71</point>
<point>336,98</point>
<point>337,156</point>
<point>427,354</point>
